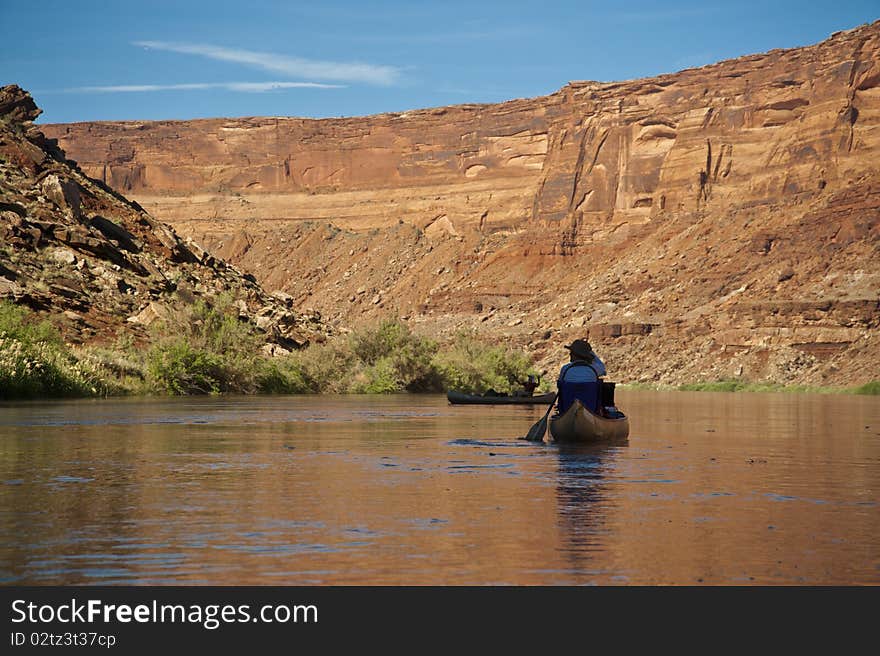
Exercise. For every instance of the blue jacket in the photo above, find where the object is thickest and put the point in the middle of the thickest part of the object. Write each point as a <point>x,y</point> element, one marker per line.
<point>580,373</point>
<point>580,380</point>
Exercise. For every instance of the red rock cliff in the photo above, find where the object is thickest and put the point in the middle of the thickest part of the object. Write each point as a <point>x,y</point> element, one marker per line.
<point>721,221</point>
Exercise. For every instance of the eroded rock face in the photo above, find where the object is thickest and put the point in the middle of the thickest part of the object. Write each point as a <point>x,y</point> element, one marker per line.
<point>694,224</point>
<point>97,264</point>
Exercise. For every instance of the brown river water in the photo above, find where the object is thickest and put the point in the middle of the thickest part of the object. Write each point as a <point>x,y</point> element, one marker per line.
<point>712,488</point>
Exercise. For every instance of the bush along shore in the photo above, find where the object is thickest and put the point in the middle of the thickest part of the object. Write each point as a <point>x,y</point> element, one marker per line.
<point>203,348</point>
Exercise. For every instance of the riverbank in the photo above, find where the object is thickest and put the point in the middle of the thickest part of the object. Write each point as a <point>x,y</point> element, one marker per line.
<point>871,388</point>
<point>203,348</point>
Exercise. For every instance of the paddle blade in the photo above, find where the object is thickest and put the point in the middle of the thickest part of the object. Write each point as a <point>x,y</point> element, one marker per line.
<point>536,432</point>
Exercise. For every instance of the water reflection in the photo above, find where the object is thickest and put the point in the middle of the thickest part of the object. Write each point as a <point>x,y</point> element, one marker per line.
<point>582,499</point>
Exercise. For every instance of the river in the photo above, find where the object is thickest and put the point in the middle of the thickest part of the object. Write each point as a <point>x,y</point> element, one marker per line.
<point>712,488</point>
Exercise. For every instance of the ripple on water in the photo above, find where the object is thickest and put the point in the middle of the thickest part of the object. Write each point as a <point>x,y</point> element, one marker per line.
<point>280,548</point>
<point>481,443</point>
<point>71,479</point>
<point>426,522</point>
<point>787,498</point>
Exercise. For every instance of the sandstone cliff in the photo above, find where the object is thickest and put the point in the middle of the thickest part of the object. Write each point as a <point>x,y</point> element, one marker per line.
<point>97,264</point>
<point>717,222</point>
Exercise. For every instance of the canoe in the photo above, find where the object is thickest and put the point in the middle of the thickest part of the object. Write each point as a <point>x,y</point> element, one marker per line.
<point>578,424</point>
<point>458,398</point>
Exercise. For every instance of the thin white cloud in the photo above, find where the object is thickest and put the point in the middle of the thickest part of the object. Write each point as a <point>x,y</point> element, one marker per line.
<point>259,87</point>
<point>292,66</point>
<point>248,87</point>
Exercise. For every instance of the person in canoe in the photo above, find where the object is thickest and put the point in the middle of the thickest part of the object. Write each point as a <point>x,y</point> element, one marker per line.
<point>580,378</point>
<point>528,386</point>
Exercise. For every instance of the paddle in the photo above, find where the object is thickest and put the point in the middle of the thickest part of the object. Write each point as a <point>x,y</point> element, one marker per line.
<point>536,432</point>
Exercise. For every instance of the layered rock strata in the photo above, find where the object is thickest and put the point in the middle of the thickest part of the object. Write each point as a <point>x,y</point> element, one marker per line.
<point>717,222</point>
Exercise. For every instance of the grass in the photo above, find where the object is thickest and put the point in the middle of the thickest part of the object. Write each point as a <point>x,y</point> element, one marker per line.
<point>35,362</point>
<point>745,386</point>
<point>728,385</point>
<point>871,388</point>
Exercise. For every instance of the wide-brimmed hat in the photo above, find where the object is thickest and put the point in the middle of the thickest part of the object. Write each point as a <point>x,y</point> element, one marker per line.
<point>581,348</point>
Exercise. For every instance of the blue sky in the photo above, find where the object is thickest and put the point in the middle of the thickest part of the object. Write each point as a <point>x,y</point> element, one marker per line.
<point>89,60</point>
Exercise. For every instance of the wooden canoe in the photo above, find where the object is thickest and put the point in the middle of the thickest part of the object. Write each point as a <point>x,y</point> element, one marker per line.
<point>459,398</point>
<point>578,424</point>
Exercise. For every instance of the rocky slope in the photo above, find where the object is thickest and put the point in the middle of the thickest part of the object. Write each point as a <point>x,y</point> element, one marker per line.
<point>717,222</point>
<point>97,264</point>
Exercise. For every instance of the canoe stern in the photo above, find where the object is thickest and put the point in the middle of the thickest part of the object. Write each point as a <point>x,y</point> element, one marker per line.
<point>580,425</point>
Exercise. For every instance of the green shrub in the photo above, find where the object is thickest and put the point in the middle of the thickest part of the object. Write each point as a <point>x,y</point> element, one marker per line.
<point>327,368</point>
<point>175,367</point>
<point>371,344</point>
<point>868,388</point>
<point>209,351</point>
<point>28,371</point>
<point>35,362</point>
<point>16,323</point>
<point>284,376</point>
<point>389,357</point>
<point>381,377</point>
<point>118,364</point>
<point>473,366</point>
<point>214,327</point>
<point>394,359</point>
